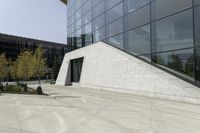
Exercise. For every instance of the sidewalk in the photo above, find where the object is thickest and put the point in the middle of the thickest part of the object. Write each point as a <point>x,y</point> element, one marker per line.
<point>82,110</point>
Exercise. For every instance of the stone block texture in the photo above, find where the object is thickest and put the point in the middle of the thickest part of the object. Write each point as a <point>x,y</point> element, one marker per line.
<point>108,68</point>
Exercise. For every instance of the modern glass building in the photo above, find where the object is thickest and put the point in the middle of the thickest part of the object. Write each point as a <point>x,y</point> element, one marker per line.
<point>13,45</point>
<point>165,33</point>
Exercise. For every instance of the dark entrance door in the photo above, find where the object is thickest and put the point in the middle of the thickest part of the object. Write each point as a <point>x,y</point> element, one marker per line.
<point>76,67</point>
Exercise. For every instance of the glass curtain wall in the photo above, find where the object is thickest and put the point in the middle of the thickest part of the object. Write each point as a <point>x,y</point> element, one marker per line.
<point>163,32</point>
<point>12,46</point>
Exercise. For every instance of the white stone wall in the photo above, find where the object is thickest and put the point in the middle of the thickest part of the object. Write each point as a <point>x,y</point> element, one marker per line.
<point>105,67</point>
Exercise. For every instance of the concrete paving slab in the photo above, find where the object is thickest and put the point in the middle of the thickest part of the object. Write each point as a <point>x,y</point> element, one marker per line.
<point>83,110</point>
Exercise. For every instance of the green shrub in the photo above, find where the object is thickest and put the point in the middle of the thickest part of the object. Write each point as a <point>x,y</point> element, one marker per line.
<point>12,88</point>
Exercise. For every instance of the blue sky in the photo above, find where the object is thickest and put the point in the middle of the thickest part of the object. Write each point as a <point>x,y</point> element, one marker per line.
<point>39,19</point>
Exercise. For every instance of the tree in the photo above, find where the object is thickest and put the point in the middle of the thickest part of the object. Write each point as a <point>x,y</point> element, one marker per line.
<point>176,63</point>
<point>189,66</point>
<point>40,67</point>
<point>8,70</point>
<point>13,70</point>
<point>25,67</point>
<point>3,69</point>
<point>55,68</point>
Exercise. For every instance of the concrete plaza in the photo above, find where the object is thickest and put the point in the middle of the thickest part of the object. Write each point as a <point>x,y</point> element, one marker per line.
<point>83,110</point>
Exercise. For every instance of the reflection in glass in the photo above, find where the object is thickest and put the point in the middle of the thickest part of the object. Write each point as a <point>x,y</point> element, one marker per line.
<point>198,64</point>
<point>175,32</point>
<point>162,8</point>
<point>96,1</point>
<point>139,17</point>
<point>88,39</point>
<point>115,13</point>
<point>86,18</point>
<point>88,28</point>
<point>99,22</point>
<point>99,34</point>
<point>116,27</point>
<point>181,61</point>
<point>87,7</point>
<point>197,24</point>
<point>135,4</point>
<point>99,9</point>
<point>117,41</point>
<point>139,40</point>
<point>112,3</point>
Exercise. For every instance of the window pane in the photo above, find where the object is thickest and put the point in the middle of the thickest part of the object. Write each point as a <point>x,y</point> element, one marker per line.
<point>87,18</point>
<point>198,64</point>
<point>196,2</point>
<point>84,1</point>
<point>139,17</point>
<point>162,8</point>
<point>174,32</point>
<point>197,25</point>
<point>115,13</point>
<point>88,28</point>
<point>116,27</point>
<point>99,22</point>
<point>77,14</point>
<point>139,40</point>
<point>78,24</point>
<point>99,9</point>
<point>112,3</point>
<point>88,39</point>
<point>96,1</point>
<point>135,4</point>
<point>117,41</point>
<point>78,43</point>
<point>87,7</point>
<point>99,34</point>
<point>181,61</point>
<point>77,4</point>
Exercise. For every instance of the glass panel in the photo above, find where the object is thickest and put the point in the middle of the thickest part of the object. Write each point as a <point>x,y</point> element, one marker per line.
<point>88,39</point>
<point>197,25</point>
<point>77,4</point>
<point>175,32</point>
<point>96,1</point>
<point>139,17</point>
<point>135,4</point>
<point>87,7</point>
<point>198,64</point>
<point>87,18</point>
<point>139,40</point>
<point>117,41</point>
<point>115,13</point>
<point>88,28</point>
<point>77,14</point>
<point>196,2</point>
<point>181,61</point>
<point>84,1</point>
<point>116,27</point>
<point>99,22</point>
<point>99,34</point>
<point>112,3</point>
<point>99,9</point>
<point>79,41</point>
<point>162,8</point>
